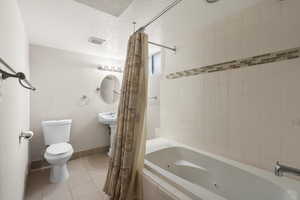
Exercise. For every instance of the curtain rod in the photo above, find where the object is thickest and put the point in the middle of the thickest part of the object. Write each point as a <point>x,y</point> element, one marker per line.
<point>156,44</point>
<point>160,14</point>
<point>173,4</point>
<point>20,75</point>
<point>163,46</point>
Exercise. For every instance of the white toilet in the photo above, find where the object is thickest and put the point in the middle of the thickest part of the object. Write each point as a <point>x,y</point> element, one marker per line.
<point>59,151</point>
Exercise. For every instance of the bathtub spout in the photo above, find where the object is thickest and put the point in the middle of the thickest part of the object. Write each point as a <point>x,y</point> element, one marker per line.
<point>279,170</point>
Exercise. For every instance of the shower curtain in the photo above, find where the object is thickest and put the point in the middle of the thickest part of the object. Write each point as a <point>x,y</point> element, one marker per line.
<point>124,178</point>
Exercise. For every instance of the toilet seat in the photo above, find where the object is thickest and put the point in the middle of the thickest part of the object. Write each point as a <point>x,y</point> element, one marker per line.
<point>59,149</point>
<point>57,155</point>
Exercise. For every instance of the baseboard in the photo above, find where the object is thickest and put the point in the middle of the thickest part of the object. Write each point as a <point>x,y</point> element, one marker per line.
<point>85,153</point>
<point>39,164</point>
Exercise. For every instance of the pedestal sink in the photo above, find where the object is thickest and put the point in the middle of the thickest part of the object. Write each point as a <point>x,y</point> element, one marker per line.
<point>109,119</point>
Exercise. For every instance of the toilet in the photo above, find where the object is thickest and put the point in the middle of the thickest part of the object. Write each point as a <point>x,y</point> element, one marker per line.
<point>58,151</point>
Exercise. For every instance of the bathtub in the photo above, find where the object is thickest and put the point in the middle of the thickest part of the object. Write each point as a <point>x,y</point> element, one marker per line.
<point>203,176</point>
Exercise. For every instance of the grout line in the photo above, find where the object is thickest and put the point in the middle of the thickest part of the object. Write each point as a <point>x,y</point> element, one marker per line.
<point>81,164</point>
<point>70,190</point>
<point>91,178</point>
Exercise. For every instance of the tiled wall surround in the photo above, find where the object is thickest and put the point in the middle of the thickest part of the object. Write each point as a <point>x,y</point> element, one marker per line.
<point>236,64</point>
<point>251,114</point>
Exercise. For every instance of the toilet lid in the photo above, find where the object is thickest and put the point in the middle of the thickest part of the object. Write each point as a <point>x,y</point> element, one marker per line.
<point>59,148</point>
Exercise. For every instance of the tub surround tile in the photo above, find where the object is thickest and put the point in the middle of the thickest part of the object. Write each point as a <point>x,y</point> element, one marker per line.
<point>261,100</point>
<point>241,63</point>
<point>260,106</point>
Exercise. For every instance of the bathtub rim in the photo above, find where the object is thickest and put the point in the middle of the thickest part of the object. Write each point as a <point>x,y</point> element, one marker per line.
<point>291,186</point>
<point>200,193</point>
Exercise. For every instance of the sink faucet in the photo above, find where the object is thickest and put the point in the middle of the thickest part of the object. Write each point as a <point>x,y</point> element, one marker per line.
<point>280,169</point>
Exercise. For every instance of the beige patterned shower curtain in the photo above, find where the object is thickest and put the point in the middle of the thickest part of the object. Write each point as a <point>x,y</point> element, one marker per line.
<point>124,176</point>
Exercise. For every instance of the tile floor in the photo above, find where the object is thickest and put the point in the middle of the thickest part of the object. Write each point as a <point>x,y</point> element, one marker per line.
<point>87,177</point>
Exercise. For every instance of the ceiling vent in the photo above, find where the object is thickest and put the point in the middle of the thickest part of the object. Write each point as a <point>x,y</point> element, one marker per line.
<point>97,41</point>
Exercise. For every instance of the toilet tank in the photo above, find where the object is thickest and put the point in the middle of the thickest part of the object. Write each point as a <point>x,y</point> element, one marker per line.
<point>56,131</point>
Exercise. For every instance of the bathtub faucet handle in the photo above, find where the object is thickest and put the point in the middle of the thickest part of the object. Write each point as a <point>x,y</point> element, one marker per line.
<point>277,169</point>
<point>280,169</point>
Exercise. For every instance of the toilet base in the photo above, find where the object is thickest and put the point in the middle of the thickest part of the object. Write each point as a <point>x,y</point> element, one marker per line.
<point>59,173</point>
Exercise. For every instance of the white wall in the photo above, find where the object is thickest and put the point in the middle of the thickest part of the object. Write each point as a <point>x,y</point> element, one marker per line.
<point>62,77</point>
<point>251,115</point>
<point>14,106</point>
<point>153,112</point>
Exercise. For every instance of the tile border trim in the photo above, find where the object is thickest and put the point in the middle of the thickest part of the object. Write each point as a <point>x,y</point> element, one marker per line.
<point>277,56</point>
<point>39,164</point>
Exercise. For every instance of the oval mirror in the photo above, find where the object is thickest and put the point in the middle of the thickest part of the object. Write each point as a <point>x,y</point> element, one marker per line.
<point>110,89</point>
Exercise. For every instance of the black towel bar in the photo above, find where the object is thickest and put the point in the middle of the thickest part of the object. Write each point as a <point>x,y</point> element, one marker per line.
<point>13,74</point>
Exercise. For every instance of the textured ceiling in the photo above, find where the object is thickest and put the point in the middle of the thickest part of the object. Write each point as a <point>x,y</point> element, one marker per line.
<point>112,7</point>
<point>67,24</point>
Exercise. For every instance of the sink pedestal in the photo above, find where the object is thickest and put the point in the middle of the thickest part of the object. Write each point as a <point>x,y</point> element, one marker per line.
<point>109,119</point>
<point>113,133</point>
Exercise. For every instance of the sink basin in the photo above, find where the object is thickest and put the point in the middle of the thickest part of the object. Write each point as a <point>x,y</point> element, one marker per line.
<point>107,118</point>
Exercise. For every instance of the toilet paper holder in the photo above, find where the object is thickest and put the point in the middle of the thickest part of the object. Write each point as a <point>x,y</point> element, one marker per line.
<point>26,135</point>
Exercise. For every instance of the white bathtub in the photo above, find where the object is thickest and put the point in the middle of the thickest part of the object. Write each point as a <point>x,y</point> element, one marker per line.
<point>204,176</point>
